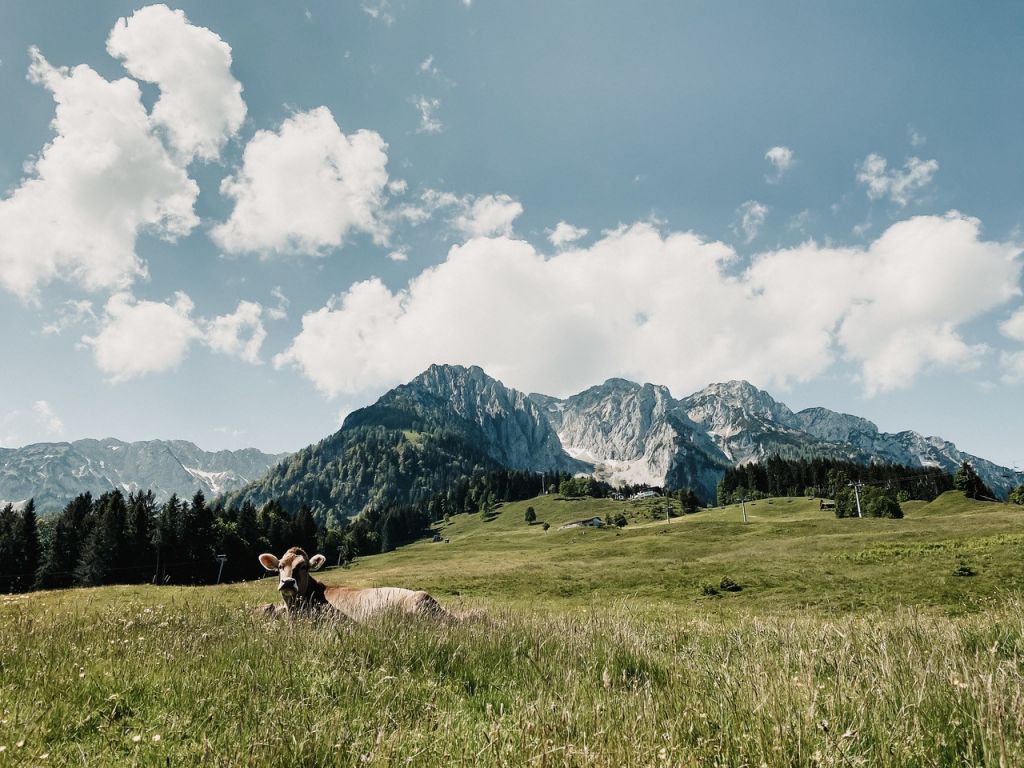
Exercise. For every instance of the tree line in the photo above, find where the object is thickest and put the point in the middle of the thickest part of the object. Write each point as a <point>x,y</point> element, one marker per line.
<point>825,477</point>
<point>130,539</point>
<point>119,539</point>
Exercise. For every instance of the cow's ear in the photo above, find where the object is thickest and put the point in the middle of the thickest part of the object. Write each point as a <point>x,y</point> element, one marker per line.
<point>268,561</point>
<point>316,562</point>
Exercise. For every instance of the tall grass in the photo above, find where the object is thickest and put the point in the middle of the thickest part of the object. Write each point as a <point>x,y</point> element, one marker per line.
<point>149,676</point>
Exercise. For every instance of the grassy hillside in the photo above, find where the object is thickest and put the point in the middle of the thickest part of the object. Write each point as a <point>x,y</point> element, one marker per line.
<point>851,643</point>
<point>790,556</point>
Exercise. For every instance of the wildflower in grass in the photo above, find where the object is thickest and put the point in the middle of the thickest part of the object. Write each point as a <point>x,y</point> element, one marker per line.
<point>156,737</point>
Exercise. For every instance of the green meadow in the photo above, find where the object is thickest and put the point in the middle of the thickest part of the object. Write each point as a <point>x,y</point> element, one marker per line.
<point>849,643</point>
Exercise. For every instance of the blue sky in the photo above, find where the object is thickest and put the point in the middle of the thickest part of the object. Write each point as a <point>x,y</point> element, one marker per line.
<point>234,222</point>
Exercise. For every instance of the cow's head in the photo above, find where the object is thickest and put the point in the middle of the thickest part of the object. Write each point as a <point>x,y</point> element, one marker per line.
<point>293,572</point>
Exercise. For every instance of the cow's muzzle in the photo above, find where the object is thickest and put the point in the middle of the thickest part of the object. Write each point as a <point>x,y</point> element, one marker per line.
<point>287,585</point>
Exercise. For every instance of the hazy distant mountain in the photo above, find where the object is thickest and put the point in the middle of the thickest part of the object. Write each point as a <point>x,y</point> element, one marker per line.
<point>54,473</point>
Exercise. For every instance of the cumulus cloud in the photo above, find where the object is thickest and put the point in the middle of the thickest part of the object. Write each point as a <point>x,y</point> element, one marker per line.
<point>136,338</point>
<point>200,105</point>
<point>239,334</point>
<point>302,189</point>
<point>1013,326</point>
<point>781,159</point>
<point>899,186</point>
<point>488,216</point>
<point>427,107</point>
<point>749,218</point>
<point>140,337</point>
<point>668,308</point>
<point>103,178</point>
<point>467,215</point>
<point>565,233</point>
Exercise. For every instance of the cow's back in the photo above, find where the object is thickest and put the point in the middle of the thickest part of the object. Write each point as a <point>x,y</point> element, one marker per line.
<point>361,604</point>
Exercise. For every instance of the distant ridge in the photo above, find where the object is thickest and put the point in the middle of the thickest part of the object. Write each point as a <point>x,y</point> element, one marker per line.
<point>453,421</point>
<point>54,473</point>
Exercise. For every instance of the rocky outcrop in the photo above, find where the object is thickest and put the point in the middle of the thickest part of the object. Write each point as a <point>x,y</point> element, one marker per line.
<point>512,428</point>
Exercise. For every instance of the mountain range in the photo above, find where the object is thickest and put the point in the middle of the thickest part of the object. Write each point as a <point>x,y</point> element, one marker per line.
<point>54,473</point>
<point>452,421</point>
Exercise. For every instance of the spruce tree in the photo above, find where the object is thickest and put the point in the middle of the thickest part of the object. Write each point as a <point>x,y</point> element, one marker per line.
<point>8,549</point>
<point>968,481</point>
<point>27,546</point>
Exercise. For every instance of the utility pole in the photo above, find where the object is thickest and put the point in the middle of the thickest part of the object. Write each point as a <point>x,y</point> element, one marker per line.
<point>856,494</point>
<point>221,559</point>
<point>743,504</point>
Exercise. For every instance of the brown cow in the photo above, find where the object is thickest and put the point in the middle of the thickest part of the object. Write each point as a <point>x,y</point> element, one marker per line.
<point>302,593</point>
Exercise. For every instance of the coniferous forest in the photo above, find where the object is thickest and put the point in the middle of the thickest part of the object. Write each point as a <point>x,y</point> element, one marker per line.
<point>879,487</point>
<point>118,539</point>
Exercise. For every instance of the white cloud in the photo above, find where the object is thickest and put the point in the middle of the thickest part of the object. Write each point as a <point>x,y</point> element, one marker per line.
<point>427,67</point>
<point>565,233</point>
<point>398,187</point>
<point>893,309</point>
<point>70,314</point>
<point>137,338</point>
<point>239,334</point>
<point>782,160</point>
<point>302,189</point>
<point>379,10</point>
<point>48,418</point>
<point>399,255</point>
<point>898,186</point>
<point>1013,326</point>
<point>750,217</point>
<point>429,123</point>
<point>39,422</point>
<point>280,311</point>
<point>489,216</point>
<point>1012,364</point>
<point>916,138</point>
<point>468,215</point>
<point>200,104</point>
<point>104,178</point>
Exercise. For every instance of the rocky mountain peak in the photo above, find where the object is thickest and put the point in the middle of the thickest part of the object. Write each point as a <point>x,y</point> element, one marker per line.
<point>733,403</point>
<point>830,425</point>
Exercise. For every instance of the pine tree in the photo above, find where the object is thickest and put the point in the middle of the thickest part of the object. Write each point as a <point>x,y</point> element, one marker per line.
<point>8,548</point>
<point>968,481</point>
<point>141,519</point>
<point>60,558</point>
<point>27,546</point>
<point>166,539</point>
